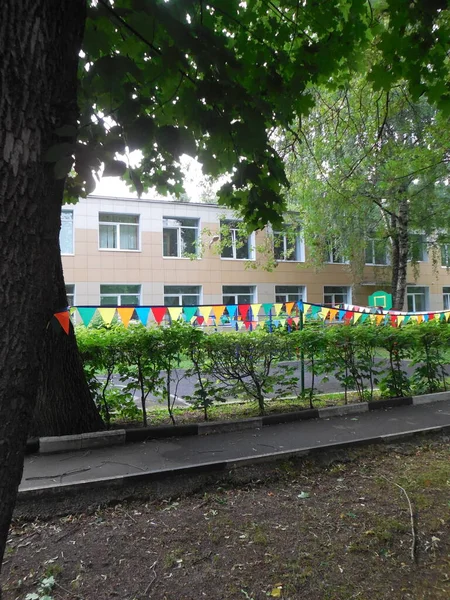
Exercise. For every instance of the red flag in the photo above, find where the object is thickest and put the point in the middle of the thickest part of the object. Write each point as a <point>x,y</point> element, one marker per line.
<point>64,320</point>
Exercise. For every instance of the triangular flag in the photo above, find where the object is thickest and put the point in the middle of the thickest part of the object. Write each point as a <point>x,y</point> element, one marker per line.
<point>189,312</point>
<point>232,309</point>
<point>64,320</point>
<point>341,314</point>
<point>364,317</point>
<point>205,311</point>
<point>159,312</point>
<point>306,307</point>
<point>282,322</point>
<point>419,318</point>
<point>290,321</point>
<point>296,320</point>
<point>315,311</point>
<point>255,310</point>
<point>356,317</point>
<point>446,315</point>
<point>200,320</point>
<point>379,319</point>
<point>333,313</point>
<point>125,314</point>
<point>406,319</point>
<point>426,318</point>
<point>218,312</point>
<point>86,313</point>
<point>174,312</point>
<point>300,306</point>
<point>243,310</point>
<point>393,320</point>
<point>430,316</point>
<point>247,324</point>
<point>400,319</point>
<point>267,308</point>
<point>289,307</point>
<point>324,312</point>
<point>142,313</point>
<point>107,314</point>
<point>348,316</point>
<point>277,308</point>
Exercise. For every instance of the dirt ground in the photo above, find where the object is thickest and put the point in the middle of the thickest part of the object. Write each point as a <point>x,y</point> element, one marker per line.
<point>336,528</point>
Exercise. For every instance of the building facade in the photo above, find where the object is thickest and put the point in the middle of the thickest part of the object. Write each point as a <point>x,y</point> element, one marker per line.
<point>120,251</point>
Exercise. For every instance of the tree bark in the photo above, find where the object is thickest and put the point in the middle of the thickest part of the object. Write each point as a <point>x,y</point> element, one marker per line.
<point>39,46</point>
<point>64,402</point>
<point>400,249</point>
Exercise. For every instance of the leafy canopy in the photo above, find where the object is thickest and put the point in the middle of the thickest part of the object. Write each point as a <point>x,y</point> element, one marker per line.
<point>214,79</point>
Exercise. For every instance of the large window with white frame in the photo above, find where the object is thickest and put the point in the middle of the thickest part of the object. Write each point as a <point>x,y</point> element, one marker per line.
<point>417,298</point>
<point>237,244</point>
<point>238,294</point>
<point>337,294</point>
<point>334,255</point>
<point>118,231</point>
<point>287,246</point>
<point>289,293</point>
<point>180,237</point>
<point>377,252</point>
<point>446,297</point>
<point>182,295</point>
<point>120,295</point>
<point>417,247</point>
<point>445,255</point>
<point>66,232</point>
<point>70,293</point>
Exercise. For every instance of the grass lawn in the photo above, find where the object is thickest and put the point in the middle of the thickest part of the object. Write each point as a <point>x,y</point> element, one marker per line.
<point>334,528</point>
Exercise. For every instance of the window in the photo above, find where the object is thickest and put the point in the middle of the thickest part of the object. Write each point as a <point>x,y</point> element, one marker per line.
<point>334,255</point>
<point>182,295</point>
<point>417,247</point>
<point>445,255</point>
<point>336,294</point>
<point>120,295</point>
<point>417,298</point>
<point>180,237</point>
<point>446,297</point>
<point>287,246</point>
<point>238,244</point>
<point>66,232</point>
<point>118,232</point>
<point>289,293</point>
<point>238,294</point>
<point>376,252</point>
<point>70,293</point>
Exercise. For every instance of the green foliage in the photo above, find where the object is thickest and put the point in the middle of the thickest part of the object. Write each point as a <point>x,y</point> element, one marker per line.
<point>310,344</point>
<point>428,356</point>
<point>398,343</point>
<point>243,364</point>
<point>44,590</point>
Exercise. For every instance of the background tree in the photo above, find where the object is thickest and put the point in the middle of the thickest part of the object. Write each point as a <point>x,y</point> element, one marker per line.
<point>371,166</point>
<point>210,80</point>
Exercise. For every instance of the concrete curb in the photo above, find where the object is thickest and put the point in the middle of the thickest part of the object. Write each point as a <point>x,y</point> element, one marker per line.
<point>122,481</point>
<point>69,443</point>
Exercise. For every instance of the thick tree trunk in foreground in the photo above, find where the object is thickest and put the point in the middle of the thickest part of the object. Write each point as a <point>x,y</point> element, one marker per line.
<point>39,46</point>
<point>400,248</point>
<point>64,403</point>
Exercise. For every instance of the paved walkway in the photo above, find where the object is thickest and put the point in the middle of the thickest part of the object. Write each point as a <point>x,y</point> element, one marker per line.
<point>44,471</point>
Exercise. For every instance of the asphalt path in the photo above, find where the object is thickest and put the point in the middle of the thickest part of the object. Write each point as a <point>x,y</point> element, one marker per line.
<point>183,387</point>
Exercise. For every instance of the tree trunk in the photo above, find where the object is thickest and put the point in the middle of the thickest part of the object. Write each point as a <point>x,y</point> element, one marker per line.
<point>400,248</point>
<point>64,403</point>
<point>39,47</point>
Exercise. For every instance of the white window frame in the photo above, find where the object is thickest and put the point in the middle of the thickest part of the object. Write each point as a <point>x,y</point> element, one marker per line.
<point>118,225</point>
<point>446,297</point>
<point>70,294</point>
<point>234,232</point>
<point>287,240</point>
<point>301,293</point>
<point>445,255</point>
<point>335,293</point>
<point>182,294</point>
<point>370,245</point>
<point>73,233</point>
<point>332,254</point>
<point>180,242</point>
<point>411,294</point>
<point>236,294</point>
<point>120,294</point>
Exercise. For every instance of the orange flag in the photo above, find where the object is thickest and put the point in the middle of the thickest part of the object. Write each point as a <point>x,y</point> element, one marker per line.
<point>64,320</point>
<point>125,314</point>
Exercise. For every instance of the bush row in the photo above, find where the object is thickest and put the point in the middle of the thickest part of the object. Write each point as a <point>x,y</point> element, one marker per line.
<point>256,365</point>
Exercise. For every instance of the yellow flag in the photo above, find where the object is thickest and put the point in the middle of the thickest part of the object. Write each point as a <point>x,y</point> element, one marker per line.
<point>277,308</point>
<point>324,312</point>
<point>107,314</point>
<point>205,311</point>
<point>306,307</point>
<point>400,319</point>
<point>255,310</point>
<point>356,316</point>
<point>419,318</point>
<point>175,312</point>
<point>379,319</point>
<point>218,312</point>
